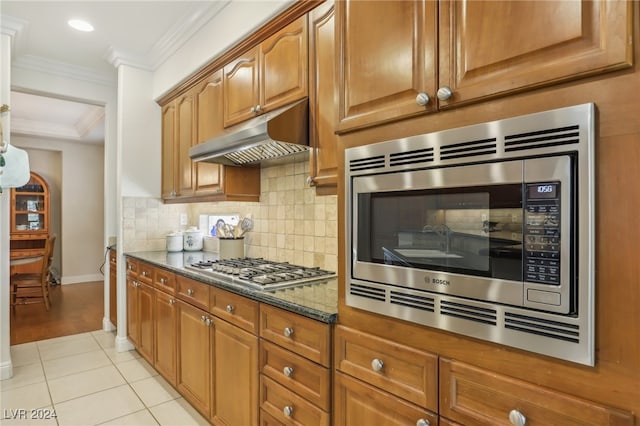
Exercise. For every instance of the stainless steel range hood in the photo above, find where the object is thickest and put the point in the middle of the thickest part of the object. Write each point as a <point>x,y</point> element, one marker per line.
<point>269,137</point>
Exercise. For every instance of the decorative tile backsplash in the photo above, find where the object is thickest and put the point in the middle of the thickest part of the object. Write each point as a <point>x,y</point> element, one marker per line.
<point>291,223</point>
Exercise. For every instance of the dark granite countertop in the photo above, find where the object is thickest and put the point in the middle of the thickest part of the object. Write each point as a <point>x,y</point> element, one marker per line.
<point>318,301</point>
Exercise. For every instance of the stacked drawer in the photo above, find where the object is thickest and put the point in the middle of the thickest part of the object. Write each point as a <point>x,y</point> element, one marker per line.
<point>295,375</point>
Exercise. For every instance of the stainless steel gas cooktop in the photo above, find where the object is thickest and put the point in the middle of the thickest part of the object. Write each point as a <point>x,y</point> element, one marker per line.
<point>259,273</point>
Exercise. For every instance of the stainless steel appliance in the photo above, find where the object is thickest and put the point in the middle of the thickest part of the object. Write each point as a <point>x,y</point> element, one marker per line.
<point>485,230</point>
<point>259,273</point>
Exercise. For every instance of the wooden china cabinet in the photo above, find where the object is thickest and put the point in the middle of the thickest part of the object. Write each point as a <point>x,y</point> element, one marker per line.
<point>29,222</point>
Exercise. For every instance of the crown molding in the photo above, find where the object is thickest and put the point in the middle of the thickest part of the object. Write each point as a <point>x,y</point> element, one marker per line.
<point>15,28</point>
<point>191,22</point>
<point>63,69</point>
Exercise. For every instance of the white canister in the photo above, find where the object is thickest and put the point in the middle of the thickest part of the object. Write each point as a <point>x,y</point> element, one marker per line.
<point>174,242</point>
<point>192,239</point>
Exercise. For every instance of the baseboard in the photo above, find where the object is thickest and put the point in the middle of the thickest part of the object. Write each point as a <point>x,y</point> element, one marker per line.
<point>6,370</point>
<point>123,344</point>
<point>107,325</point>
<point>81,279</point>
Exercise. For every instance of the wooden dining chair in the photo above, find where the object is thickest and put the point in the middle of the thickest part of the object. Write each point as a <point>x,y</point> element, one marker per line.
<point>34,287</point>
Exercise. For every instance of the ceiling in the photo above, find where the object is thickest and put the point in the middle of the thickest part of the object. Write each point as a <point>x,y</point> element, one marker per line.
<point>139,33</point>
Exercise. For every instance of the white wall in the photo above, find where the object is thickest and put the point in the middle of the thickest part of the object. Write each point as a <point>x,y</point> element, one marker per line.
<point>82,200</point>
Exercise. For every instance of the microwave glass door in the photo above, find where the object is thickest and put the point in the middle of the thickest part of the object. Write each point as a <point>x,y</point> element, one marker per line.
<point>474,230</point>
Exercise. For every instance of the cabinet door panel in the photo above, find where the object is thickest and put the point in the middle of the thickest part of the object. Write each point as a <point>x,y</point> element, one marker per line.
<point>235,376</point>
<point>283,62</point>
<point>145,312</point>
<point>491,48</point>
<point>470,395</point>
<point>357,403</point>
<point>165,336</point>
<point>168,151</point>
<point>386,57</point>
<point>133,316</point>
<point>210,124</point>
<point>185,140</point>
<point>194,357</point>
<point>240,88</point>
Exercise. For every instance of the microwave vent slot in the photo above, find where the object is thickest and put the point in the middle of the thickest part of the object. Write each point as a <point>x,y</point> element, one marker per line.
<point>469,312</point>
<point>375,162</point>
<point>543,138</point>
<point>417,156</point>
<point>468,149</point>
<point>368,292</point>
<point>547,328</point>
<point>412,301</point>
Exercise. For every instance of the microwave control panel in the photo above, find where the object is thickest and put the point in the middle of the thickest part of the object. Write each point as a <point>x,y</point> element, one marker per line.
<point>542,233</point>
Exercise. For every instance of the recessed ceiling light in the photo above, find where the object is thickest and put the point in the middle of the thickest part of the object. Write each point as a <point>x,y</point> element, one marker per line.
<point>80,25</point>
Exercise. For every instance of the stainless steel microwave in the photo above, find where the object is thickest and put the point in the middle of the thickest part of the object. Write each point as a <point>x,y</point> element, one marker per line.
<point>485,230</point>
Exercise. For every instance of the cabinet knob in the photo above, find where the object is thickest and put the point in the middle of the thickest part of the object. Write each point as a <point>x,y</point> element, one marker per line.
<point>258,108</point>
<point>189,292</point>
<point>129,267</point>
<point>423,422</point>
<point>288,410</point>
<point>422,99</point>
<point>229,308</point>
<point>163,281</point>
<point>287,371</point>
<point>310,180</point>
<point>516,418</point>
<point>172,301</point>
<point>206,320</point>
<point>288,332</point>
<point>377,364</point>
<point>444,93</point>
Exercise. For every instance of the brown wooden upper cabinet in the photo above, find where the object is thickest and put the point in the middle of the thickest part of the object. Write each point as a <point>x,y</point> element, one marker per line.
<point>402,59</point>
<point>267,76</point>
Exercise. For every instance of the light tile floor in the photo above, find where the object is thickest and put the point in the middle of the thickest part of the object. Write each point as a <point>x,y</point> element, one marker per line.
<point>81,380</point>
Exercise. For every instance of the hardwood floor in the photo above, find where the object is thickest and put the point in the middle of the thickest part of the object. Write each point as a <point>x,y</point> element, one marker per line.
<point>75,308</point>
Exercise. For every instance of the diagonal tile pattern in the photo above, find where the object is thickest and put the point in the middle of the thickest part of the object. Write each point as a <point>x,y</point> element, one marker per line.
<point>81,380</point>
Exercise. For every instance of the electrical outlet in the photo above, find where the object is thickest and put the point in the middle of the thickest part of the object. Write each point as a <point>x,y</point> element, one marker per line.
<point>483,217</point>
<point>183,219</point>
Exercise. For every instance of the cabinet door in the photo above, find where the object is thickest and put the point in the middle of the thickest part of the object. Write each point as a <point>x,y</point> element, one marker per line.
<point>168,151</point>
<point>145,312</point>
<point>240,88</point>
<point>133,315</point>
<point>386,57</point>
<point>492,48</point>
<point>322,99</point>
<point>357,403</point>
<point>210,123</point>
<point>186,136</point>
<point>165,333</point>
<point>194,356</point>
<point>470,395</point>
<point>283,66</point>
<point>235,376</point>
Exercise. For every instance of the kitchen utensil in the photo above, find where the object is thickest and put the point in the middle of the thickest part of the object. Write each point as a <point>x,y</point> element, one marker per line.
<point>231,248</point>
<point>193,239</point>
<point>174,242</point>
<point>245,225</point>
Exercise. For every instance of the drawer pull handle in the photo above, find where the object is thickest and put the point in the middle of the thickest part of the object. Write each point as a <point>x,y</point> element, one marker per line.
<point>377,364</point>
<point>288,410</point>
<point>144,273</point>
<point>517,418</point>
<point>189,292</point>
<point>423,422</point>
<point>288,332</point>
<point>163,281</point>
<point>229,308</point>
<point>288,371</point>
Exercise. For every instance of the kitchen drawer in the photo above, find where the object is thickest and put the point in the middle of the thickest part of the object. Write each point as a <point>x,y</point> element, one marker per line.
<point>401,370</point>
<point>132,267</point>
<point>236,309</point>
<point>164,280</point>
<point>302,335</point>
<point>194,292</point>
<point>287,407</point>
<point>357,403</point>
<point>471,395</point>
<point>308,379</point>
<point>145,272</point>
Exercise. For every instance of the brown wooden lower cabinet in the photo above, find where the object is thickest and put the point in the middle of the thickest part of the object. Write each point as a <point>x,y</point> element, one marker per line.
<point>235,375</point>
<point>165,333</point>
<point>194,356</point>
<point>357,403</point>
<point>288,407</point>
<point>133,313</point>
<point>474,396</point>
<point>146,316</point>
